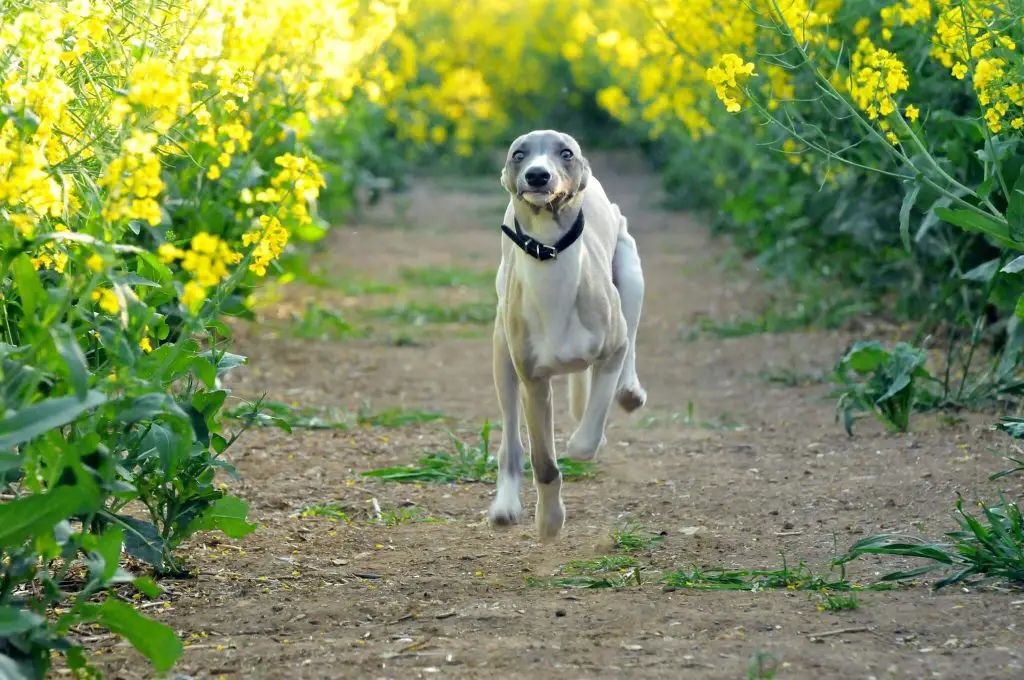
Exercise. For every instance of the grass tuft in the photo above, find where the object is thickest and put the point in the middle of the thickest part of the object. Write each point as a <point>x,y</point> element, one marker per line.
<point>467,463</point>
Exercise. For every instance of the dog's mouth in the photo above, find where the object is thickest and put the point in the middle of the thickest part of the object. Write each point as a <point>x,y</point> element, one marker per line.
<point>540,198</point>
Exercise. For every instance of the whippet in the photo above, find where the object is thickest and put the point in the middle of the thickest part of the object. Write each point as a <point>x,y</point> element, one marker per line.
<point>570,288</point>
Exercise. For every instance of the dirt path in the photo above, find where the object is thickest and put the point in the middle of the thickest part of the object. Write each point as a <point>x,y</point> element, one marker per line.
<point>758,469</point>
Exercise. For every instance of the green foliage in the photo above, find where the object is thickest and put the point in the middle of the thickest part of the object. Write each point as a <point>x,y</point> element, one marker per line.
<point>467,464</point>
<point>886,384</point>
<point>987,548</point>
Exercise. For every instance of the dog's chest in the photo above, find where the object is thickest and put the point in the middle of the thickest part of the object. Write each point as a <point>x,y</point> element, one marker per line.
<point>556,327</point>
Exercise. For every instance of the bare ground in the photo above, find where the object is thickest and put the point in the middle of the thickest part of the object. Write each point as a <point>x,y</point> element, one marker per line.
<point>315,598</point>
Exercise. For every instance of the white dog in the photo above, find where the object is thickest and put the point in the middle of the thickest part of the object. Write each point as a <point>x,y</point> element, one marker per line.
<point>570,289</point>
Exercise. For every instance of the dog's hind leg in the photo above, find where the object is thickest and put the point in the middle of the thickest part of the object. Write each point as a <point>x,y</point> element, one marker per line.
<point>579,393</point>
<point>507,508</point>
<point>547,478</point>
<point>589,435</point>
<point>628,277</point>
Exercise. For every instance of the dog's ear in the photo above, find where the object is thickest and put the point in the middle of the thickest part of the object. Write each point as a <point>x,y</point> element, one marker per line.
<point>584,174</point>
<point>505,182</point>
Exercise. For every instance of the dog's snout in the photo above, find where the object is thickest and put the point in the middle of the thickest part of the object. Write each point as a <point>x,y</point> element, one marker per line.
<point>537,177</point>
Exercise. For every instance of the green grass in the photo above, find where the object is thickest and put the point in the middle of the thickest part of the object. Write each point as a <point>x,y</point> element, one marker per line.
<point>762,666</point>
<point>989,547</point>
<point>689,419</point>
<point>791,377</point>
<point>800,577</point>
<point>287,417</point>
<point>447,277</point>
<point>335,511</point>
<point>814,312</point>
<point>317,323</point>
<point>837,602</point>
<point>466,463</point>
<point>633,537</point>
<point>420,313</point>
<point>614,571</point>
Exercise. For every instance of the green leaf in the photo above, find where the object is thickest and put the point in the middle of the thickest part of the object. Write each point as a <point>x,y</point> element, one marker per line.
<point>147,586</point>
<point>228,515</point>
<point>30,289</point>
<point>32,515</point>
<point>152,639</point>
<point>205,371</point>
<point>1014,266</point>
<point>984,272</point>
<point>142,540</point>
<point>34,420</point>
<point>973,221</point>
<point>73,357</point>
<point>1019,309</point>
<point>14,620</point>
<point>9,461</point>
<point>908,203</point>
<point>109,550</point>
<point>1015,208</point>
<point>152,268</point>
<point>865,357</point>
<point>225,360</point>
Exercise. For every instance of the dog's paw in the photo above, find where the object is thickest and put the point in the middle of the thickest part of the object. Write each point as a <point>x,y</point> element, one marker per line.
<point>550,515</point>
<point>631,397</point>
<point>503,515</point>
<point>579,448</point>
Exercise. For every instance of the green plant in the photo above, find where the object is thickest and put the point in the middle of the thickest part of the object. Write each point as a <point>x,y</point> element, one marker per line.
<point>447,277</point>
<point>317,323</point>
<point>831,602</point>
<point>420,313</point>
<point>467,464</point>
<point>885,384</point>
<point>614,571</point>
<point>631,536</point>
<point>288,417</point>
<point>763,666</point>
<point>991,548</point>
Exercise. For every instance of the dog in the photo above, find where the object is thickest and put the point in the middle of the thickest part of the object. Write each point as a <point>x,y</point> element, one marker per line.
<point>570,291</point>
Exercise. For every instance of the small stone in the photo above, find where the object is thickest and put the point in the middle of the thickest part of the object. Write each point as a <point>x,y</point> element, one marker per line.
<point>559,613</point>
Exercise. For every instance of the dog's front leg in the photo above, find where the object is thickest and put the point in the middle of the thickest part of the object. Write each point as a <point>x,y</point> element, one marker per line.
<point>547,478</point>
<point>507,508</point>
<point>589,435</point>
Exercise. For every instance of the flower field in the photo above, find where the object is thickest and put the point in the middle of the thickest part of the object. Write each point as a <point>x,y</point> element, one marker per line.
<point>160,162</point>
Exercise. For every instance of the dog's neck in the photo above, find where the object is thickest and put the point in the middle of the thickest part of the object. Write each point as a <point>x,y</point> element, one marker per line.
<point>544,223</point>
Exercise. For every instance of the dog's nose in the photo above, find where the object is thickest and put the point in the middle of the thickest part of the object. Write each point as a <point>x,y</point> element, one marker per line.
<point>537,177</point>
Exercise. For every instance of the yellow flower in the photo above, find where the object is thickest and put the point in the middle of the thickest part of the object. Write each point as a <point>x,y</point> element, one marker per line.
<point>959,71</point>
<point>911,113</point>
<point>213,172</point>
<point>146,345</point>
<point>169,253</point>
<point>193,295</point>
<point>106,299</point>
<point>95,262</point>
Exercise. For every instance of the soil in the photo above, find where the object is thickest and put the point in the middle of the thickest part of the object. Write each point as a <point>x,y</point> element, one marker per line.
<point>758,472</point>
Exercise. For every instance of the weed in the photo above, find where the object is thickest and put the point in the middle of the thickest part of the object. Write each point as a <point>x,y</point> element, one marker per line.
<point>317,323</point>
<point>791,377</point>
<point>821,314</point>
<point>689,419</point>
<point>763,666</point>
<point>833,602</point>
<point>403,514</point>
<point>993,550</point>
<point>467,464</point>
<point>447,277</point>
<point>292,417</point>
<point>633,537</point>
<point>613,571</point>
<point>883,383</point>
<point>785,578</point>
<point>333,511</point>
<point>421,313</point>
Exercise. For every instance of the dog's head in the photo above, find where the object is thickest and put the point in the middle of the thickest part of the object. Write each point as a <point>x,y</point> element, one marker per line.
<point>546,169</point>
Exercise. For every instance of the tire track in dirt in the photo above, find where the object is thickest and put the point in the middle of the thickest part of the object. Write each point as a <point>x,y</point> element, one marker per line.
<point>315,598</point>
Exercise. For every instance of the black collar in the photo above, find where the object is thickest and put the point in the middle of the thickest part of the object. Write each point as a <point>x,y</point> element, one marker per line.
<point>541,251</point>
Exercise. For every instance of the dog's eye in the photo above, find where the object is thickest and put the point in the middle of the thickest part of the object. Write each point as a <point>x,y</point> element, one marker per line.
<point>566,155</point>
<point>518,156</point>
